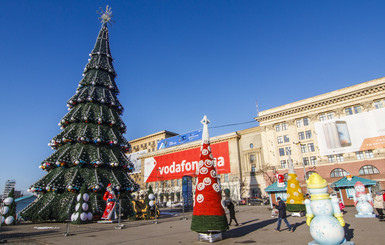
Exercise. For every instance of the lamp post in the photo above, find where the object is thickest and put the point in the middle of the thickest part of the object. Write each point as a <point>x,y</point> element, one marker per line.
<point>303,164</point>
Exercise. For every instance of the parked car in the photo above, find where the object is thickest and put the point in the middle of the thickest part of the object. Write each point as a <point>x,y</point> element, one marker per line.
<point>254,202</point>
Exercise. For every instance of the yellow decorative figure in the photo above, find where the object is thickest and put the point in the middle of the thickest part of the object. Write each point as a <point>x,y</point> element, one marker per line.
<point>295,199</point>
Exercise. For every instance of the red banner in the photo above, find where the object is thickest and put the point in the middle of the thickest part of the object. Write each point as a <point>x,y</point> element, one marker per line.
<point>176,165</point>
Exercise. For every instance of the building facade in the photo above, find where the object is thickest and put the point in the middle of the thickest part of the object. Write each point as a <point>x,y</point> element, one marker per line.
<point>334,134</point>
<point>238,156</point>
<point>9,185</point>
<point>143,145</point>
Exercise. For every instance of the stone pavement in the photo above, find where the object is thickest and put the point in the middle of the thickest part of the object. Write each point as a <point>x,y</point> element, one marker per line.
<point>256,228</point>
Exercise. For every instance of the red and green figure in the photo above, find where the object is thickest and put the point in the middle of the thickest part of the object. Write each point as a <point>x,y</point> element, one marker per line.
<point>208,214</point>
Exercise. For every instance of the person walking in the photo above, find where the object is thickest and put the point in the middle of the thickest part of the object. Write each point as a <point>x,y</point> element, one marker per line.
<point>282,215</point>
<point>230,207</point>
<point>378,204</point>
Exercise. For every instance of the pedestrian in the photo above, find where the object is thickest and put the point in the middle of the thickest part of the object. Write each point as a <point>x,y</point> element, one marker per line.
<point>230,207</point>
<point>341,204</point>
<point>282,215</point>
<point>378,204</point>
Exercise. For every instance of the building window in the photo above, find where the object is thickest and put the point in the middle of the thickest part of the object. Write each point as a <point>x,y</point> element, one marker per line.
<point>313,160</point>
<point>303,148</point>
<point>283,163</point>
<point>305,161</point>
<point>281,151</point>
<point>308,134</point>
<point>301,135</point>
<point>281,127</point>
<point>252,158</point>
<point>288,150</point>
<point>367,170</point>
<point>310,147</point>
<point>308,173</point>
<point>178,182</point>
<point>353,110</point>
<point>379,104</point>
<point>330,115</point>
<point>338,172</point>
<point>299,123</point>
<point>280,139</point>
<point>226,177</point>
<point>302,122</point>
<point>286,138</point>
<point>331,158</point>
<point>253,168</point>
<point>322,117</point>
<point>251,145</point>
<point>369,154</point>
<point>340,157</point>
<point>360,155</point>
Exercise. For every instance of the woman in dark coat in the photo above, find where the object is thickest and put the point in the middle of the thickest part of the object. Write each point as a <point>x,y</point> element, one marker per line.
<point>230,206</point>
<point>282,215</point>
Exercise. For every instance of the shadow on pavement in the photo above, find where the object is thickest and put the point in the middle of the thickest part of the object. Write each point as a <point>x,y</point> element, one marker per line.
<point>244,223</point>
<point>246,229</point>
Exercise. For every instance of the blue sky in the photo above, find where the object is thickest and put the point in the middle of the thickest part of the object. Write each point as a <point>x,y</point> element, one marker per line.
<point>176,61</point>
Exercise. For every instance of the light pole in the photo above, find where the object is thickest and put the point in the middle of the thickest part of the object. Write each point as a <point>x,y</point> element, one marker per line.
<point>303,164</point>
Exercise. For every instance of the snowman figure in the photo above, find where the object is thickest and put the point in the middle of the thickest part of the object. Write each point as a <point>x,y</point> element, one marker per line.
<point>323,214</point>
<point>363,202</point>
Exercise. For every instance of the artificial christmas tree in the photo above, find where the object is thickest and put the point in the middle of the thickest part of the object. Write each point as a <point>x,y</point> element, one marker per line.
<point>8,211</point>
<point>208,215</point>
<point>295,201</point>
<point>90,150</point>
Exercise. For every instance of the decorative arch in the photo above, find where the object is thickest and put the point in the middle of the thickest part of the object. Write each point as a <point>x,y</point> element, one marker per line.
<point>368,170</point>
<point>338,172</point>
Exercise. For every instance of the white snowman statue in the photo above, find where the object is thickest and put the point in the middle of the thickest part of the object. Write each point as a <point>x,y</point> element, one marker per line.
<point>323,214</point>
<point>363,202</point>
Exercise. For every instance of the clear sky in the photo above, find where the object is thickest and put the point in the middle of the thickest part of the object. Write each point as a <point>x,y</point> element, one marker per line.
<point>176,61</point>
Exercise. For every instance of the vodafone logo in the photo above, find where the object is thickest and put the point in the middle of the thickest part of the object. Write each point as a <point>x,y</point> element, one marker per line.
<point>177,164</point>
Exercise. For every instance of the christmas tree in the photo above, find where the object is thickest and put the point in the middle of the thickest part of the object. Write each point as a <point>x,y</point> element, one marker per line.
<point>208,214</point>
<point>295,199</point>
<point>90,149</point>
<point>9,209</point>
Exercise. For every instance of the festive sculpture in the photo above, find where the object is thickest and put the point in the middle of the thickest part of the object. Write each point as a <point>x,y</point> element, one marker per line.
<point>295,199</point>
<point>8,209</point>
<point>110,197</point>
<point>280,179</point>
<point>323,215</point>
<point>209,218</point>
<point>363,202</point>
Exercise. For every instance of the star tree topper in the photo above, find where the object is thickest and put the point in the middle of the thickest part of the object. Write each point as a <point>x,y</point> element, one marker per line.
<point>105,16</point>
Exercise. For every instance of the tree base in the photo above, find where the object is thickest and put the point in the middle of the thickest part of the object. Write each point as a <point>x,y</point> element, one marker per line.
<point>209,223</point>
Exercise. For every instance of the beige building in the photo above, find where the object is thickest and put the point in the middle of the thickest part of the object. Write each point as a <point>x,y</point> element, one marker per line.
<point>242,152</point>
<point>320,134</point>
<point>143,145</point>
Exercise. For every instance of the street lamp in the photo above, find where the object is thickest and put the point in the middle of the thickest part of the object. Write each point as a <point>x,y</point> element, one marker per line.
<point>303,164</point>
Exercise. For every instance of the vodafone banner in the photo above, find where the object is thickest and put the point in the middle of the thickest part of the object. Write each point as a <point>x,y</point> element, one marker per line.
<point>176,165</point>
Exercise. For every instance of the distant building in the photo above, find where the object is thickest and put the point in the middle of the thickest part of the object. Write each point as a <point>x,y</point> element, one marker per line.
<point>334,134</point>
<point>144,145</point>
<point>8,187</point>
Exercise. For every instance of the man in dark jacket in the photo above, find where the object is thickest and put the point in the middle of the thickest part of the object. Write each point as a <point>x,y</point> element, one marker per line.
<point>282,215</point>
